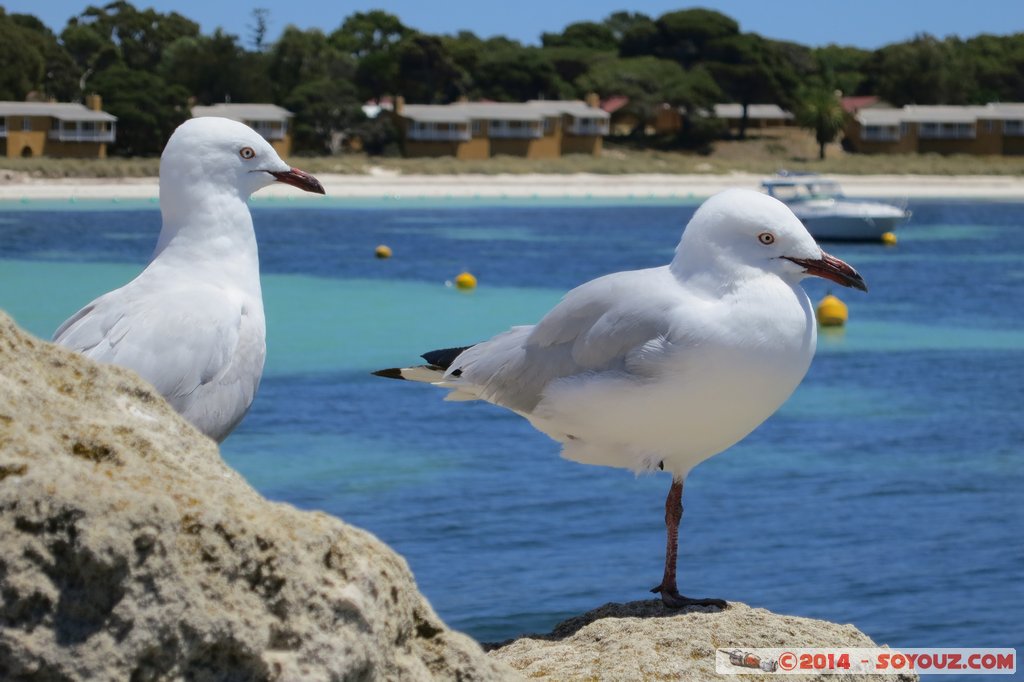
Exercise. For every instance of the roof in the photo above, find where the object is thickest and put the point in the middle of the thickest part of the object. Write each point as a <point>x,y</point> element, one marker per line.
<point>1005,110</point>
<point>534,110</point>
<point>243,112</point>
<point>940,113</point>
<point>880,117</point>
<point>855,103</point>
<point>64,111</point>
<point>762,111</point>
<point>613,104</point>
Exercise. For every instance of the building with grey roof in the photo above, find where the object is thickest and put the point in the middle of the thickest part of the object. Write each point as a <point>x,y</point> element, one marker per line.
<point>995,128</point>
<point>61,129</point>
<point>477,130</point>
<point>269,120</point>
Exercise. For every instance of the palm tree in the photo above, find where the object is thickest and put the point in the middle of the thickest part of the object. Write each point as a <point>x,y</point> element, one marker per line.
<point>819,110</point>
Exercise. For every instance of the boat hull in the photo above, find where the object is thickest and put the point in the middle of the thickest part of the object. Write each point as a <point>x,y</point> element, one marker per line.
<point>850,228</point>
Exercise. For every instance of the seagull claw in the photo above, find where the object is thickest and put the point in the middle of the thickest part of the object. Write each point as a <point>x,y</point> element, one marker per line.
<point>673,600</point>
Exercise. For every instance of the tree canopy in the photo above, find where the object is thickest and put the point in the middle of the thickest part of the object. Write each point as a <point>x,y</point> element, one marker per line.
<point>150,66</point>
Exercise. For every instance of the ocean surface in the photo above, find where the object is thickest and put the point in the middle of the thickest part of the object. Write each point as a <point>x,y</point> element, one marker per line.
<point>886,493</point>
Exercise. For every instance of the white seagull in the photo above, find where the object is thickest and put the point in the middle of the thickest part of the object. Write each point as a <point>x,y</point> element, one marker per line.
<point>660,369</point>
<point>192,322</point>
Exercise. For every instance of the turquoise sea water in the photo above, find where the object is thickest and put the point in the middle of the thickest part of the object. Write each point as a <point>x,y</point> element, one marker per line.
<point>885,493</point>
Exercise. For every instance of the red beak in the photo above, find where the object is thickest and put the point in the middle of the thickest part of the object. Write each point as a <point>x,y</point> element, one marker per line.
<point>831,268</point>
<point>300,179</point>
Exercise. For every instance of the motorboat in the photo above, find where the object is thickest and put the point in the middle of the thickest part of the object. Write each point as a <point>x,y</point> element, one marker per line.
<point>829,215</point>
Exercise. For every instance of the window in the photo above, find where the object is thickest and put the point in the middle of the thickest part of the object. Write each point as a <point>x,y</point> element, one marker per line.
<point>549,125</point>
<point>476,127</point>
<point>947,131</point>
<point>26,123</point>
<point>879,133</point>
<point>1015,127</point>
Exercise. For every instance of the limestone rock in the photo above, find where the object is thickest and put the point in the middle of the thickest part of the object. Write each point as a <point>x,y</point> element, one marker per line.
<point>643,640</point>
<point>130,551</point>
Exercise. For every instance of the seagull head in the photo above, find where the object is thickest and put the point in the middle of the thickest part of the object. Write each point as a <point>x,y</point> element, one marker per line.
<point>223,154</point>
<point>738,230</point>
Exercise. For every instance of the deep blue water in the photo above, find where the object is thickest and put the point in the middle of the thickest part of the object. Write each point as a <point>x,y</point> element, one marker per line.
<point>886,493</point>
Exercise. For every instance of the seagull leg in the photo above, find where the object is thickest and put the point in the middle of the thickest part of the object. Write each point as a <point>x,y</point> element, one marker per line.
<point>670,596</point>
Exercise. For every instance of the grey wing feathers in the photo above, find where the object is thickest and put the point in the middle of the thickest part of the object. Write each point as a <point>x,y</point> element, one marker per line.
<point>198,349</point>
<point>597,327</point>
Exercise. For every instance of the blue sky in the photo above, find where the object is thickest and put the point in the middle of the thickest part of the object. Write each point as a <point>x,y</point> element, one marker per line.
<point>863,23</point>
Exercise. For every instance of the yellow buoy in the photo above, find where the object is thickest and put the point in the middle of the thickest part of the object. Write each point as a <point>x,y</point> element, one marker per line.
<point>889,238</point>
<point>832,312</point>
<point>465,280</point>
<point>382,251</point>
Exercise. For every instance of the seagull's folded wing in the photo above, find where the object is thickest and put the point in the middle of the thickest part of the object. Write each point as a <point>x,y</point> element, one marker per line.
<point>194,346</point>
<point>614,323</point>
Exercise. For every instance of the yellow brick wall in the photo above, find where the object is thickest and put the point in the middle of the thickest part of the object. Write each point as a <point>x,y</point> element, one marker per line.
<point>283,147</point>
<point>76,150</point>
<point>581,144</point>
<point>35,139</point>
<point>38,143</point>
<point>550,145</point>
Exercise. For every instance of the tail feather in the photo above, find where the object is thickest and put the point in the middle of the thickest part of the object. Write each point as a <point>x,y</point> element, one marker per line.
<point>425,373</point>
<point>444,357</point>
<point>439,362</point>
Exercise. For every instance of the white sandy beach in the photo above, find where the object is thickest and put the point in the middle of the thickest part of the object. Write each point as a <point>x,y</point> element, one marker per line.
<point>384,184</point>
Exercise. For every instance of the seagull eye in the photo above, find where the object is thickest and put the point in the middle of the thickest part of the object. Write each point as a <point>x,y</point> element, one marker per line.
<point>766,238</point>
<point>247,153</point>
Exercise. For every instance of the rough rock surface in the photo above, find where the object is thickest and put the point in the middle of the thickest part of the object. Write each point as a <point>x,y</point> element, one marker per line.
<point>643,640</point>
<point>130,551</point>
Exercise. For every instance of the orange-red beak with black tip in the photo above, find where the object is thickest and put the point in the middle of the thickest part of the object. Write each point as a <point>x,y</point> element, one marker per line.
<point>299,178</point>
<point>831,268</point>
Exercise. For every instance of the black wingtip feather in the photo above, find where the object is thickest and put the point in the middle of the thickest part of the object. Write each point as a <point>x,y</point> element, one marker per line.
<point>390,373</point>
<point>444,357</point>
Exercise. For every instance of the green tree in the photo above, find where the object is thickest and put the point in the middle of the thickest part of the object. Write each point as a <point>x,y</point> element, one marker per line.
<point>585,34</point>
<point>751,70</point>
<point>147,107</point>
<point>90,51</point>
<point>258,28</point>
<point>649,83</point>
<point>300,57</point>
<point>840,67</point>
<point>516,74</point>
<point>639,35</point>
<point>216,69</point>
<point>323,108</point>
<point>60,74</point>
<point>690,36</point>
<point>365,32</point>
<point>426,72</point>
<point>998,66</point>
<point>819,110</point>
<point>620,23</point>
<point>22,60</point>
<point>139,36</point>
<point>923,71</point>
<point>371,39</point>
<point>572,63</point>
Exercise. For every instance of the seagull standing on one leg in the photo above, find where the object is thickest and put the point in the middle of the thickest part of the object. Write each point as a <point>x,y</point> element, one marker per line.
<point>662,368</point>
